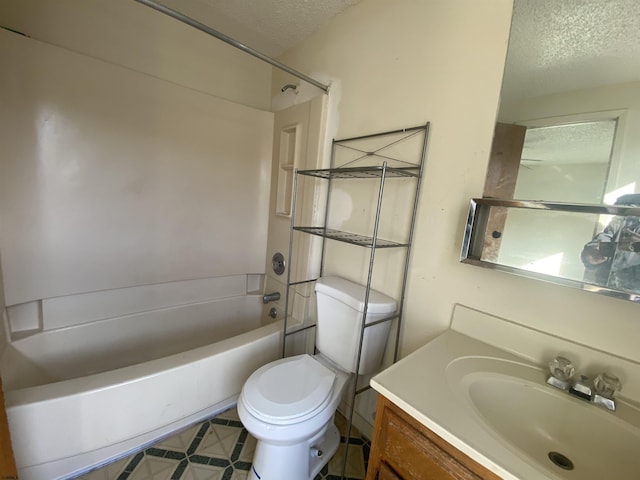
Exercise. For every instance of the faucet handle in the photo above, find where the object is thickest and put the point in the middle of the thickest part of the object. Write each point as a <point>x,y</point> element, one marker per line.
<point>561,368</point>
<point>607,384</point>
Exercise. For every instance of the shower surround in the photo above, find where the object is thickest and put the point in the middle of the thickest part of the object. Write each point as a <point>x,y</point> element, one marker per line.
<point>133,242</point>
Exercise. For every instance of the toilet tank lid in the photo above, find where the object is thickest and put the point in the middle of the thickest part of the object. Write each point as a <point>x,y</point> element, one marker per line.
<point>352,294</point>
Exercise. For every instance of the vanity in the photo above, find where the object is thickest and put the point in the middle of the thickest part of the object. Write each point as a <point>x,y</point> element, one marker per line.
<point>474,403</point>
<point>403,448</point>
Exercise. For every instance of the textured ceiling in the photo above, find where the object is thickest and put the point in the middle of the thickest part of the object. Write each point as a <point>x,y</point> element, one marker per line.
<point>269,26</point>
<point>560,45</point>
<point>579,143</point>
<point>555,45</point>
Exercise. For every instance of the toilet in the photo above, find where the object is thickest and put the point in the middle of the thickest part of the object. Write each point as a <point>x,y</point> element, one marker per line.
<point>288,405</point>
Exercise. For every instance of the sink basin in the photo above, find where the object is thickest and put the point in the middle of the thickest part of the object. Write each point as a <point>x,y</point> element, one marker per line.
<point>562,435</point>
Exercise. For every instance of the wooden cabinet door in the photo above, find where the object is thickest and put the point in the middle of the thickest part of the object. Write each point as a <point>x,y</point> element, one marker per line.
<point>404,449</point>
<point>7,463</point>
<point>416,457</point>
<point>387,473</point>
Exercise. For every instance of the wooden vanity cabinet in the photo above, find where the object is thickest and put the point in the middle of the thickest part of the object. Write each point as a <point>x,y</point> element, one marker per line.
<point>7,463</point>
<point>404,449</point>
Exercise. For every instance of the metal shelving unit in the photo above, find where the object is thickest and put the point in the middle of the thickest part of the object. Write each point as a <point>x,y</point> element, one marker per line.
<point>384,156</point>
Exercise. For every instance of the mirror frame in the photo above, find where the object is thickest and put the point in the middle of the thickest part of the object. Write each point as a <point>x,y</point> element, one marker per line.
<point>476,228</point>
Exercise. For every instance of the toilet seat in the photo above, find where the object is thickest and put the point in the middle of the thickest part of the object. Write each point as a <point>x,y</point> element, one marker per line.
<point>289,390</point>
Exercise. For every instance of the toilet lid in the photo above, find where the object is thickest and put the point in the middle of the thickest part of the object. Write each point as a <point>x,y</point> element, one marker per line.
<point>287,390</point>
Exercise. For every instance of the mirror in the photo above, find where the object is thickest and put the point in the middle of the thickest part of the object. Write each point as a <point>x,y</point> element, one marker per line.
<point>572,85</point>
<point>567,133</point>
<point>556,242</point>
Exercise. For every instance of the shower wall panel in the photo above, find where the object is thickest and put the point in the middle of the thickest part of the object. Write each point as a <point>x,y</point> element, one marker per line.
<point>111,178</point>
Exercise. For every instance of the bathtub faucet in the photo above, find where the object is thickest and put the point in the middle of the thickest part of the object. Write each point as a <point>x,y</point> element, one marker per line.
<point>271,297</point>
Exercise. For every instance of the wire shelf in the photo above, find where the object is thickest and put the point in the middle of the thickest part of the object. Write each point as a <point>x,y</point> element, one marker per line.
<point>352,238</point>
<point>362,172</point>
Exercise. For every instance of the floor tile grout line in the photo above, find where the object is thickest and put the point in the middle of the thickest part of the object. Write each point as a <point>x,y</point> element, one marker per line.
<point>239,446</point>
<point>180,469</point>
<point>195,443</point>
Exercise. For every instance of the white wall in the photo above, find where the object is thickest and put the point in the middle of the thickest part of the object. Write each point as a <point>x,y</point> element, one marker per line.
<point>404,62</point>
<point>113,178</point>
<point>136,37</point>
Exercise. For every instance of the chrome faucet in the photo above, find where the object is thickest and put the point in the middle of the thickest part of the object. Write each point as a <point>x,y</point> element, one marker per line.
<point>271,297</point>
<point>581,388</point>
<point>600,393</point>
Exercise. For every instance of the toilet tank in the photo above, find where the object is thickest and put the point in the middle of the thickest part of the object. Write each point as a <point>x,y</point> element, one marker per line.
<point>340,315</point>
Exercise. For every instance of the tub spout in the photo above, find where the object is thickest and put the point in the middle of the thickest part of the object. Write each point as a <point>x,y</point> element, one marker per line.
<point>271,297</point>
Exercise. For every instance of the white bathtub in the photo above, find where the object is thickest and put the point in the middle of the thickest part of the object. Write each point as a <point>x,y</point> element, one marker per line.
<point>82,395</point>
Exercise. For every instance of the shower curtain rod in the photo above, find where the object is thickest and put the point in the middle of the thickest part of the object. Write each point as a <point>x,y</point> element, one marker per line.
<point>221,36</point>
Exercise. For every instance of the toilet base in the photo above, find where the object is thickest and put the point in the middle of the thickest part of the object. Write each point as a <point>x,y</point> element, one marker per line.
<point>295,462</point>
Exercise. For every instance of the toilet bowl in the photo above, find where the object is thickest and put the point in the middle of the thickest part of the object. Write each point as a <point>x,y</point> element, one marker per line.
<point>288,405</point>
<point>294,426</point>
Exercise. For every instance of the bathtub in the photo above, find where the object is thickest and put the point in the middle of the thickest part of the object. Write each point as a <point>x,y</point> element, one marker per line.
<point>80,396</point>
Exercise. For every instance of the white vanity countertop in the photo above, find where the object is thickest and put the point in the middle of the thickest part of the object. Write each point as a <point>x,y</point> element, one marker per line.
<point>421,386</point>
<point>433,386</point>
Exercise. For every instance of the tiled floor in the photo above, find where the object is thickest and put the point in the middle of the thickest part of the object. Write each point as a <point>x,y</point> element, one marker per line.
<point>220,449</point>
